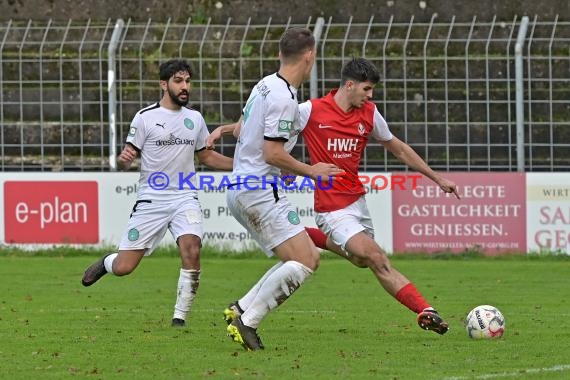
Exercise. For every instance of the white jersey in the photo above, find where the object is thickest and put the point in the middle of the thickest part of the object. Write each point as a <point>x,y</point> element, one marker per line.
<point>271,113</point>
<point>167,141</point>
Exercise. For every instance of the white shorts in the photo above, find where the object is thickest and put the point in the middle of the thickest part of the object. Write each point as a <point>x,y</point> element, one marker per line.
<point>266,214</point>
<point>341,225</point>
<point>150,220</point>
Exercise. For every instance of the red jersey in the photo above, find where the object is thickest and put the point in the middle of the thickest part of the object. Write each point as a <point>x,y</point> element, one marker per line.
<point>339,138</point>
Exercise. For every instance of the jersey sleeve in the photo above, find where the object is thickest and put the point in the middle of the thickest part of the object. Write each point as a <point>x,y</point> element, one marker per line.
<point>304,114</point>
<point>137,132</point>
<point>203,134</point>
<point>279,118</point>
<point>380,130</point>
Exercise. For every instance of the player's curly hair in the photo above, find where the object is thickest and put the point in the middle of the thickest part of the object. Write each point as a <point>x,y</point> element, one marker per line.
<point>169,68</point>
<point>359,70</point>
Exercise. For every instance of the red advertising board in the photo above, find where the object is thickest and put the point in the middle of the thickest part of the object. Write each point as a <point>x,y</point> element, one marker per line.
<point>58,212</point>
<point>490,216</point>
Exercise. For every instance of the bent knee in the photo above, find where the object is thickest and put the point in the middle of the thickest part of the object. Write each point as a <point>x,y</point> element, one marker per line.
<point>376,260</point>
<point>122,269</point>
<point>358,262</point>
<point>190,259</point>
<point>313,260</point>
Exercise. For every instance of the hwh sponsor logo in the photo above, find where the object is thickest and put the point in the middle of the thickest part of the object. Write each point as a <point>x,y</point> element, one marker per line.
<point>342,145</point>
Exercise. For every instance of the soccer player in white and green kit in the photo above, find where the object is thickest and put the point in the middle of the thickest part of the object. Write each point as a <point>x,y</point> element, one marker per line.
<point>269,131</point>
<point>166,135</point>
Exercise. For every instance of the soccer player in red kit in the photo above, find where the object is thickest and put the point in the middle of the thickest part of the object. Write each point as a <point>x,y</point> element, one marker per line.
<point>337,128</point>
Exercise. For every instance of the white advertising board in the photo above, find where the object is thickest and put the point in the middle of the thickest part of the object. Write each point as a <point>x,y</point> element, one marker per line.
<point>548,212</point>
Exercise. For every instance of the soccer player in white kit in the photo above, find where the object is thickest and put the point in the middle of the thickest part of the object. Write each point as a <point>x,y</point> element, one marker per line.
<point>166,135</point>
<point>269,131</point>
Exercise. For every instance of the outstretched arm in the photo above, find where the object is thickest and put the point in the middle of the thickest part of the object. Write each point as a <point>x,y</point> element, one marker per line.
<point>226,129</point>
<point>275,154</point>
<point>408,156</point>
<point>215,160</point>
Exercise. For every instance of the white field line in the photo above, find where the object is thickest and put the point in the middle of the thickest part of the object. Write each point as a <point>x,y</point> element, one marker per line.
<point>143,310</point>
<point>526,371</point>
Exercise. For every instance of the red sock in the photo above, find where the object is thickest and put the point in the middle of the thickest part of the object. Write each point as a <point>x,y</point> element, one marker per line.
<point>318,237</point>
<point>411,298</point>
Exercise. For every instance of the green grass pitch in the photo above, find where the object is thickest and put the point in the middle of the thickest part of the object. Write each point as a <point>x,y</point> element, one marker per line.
<point>339,325</point>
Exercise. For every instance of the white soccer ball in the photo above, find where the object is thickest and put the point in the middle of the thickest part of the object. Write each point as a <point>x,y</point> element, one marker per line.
<point>485,322</point>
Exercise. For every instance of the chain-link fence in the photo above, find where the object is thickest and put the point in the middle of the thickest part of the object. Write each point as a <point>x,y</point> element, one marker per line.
<point>448,88</point>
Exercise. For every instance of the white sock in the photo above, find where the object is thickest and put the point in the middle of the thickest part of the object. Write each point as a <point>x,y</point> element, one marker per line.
<point>108,262</point>
<point>246,300</point>
<point>275,290</point>
<point>188,283</point>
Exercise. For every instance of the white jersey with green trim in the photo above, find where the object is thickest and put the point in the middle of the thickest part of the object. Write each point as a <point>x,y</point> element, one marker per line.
<point>271,113</point>
<point>167,141</point>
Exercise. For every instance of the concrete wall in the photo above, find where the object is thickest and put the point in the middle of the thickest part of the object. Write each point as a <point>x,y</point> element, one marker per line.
<point>298,10</point>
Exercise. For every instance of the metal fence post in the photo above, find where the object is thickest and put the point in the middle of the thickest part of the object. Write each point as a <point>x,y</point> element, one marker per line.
<point>112,90</point>
<point>201,64</point>
<point>242,61</point>
<point>519,92</point>
<point>488,93</point>
<point>550,94</point>
<point>21,90</point>
<point>41,93</point>
<point>220,72</point>
<point>80,75</point>
<point>425,94</point>
<point>446,79</point>
<point>2,162</point>
<point>62,120</point>
<point>529,95</point>
<point>405,76</point>
<point>322,54</point>
<point>508,66</point>
<point>313,84</point>
<point>468,96</point>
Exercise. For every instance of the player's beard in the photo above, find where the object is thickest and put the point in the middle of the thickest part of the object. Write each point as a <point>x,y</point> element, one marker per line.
<point>175,98</point>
